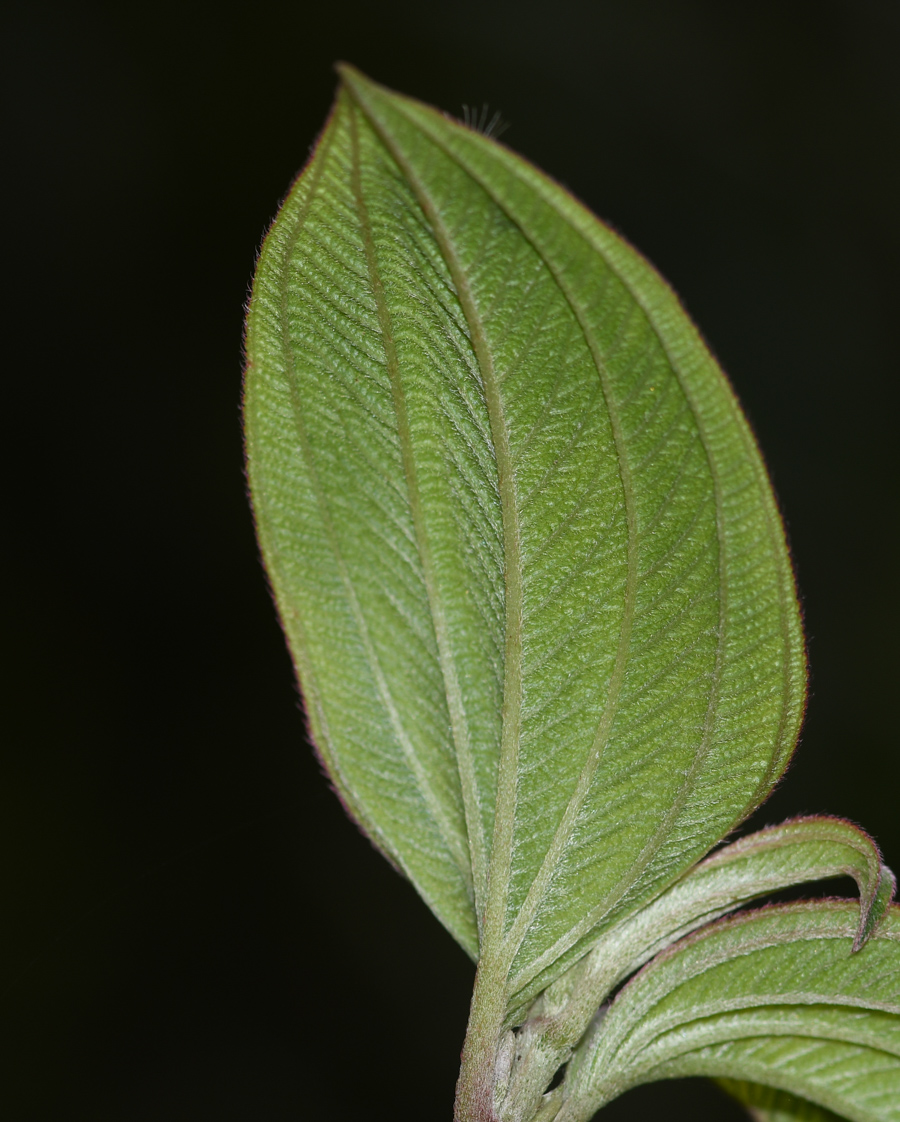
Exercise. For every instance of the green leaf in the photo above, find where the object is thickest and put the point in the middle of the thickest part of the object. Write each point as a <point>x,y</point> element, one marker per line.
<point>522,543</point>
<point>798,851</point>
<point>804,849</point>
<point>766,1104</point>
<point>774,997</point>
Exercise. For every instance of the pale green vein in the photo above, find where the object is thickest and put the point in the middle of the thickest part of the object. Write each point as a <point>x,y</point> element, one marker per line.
<point>507,776</point>
<point>787,597</point>
<point>562,835</point>
<point>312,692</point>
<point>541,883</point>
<point>455,703</point>
<point>447,832</point>
<point>509,752</point>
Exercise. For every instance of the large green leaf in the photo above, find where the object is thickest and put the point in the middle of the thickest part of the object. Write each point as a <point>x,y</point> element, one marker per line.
<point>775,997</point>
<point>521,540</point>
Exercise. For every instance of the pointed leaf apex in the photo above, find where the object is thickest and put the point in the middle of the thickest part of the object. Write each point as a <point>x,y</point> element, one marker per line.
<point>354,78</point>
<point>871,915</point>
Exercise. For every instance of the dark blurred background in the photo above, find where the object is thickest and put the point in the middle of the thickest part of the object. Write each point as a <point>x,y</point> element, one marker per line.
<point>190,927</point>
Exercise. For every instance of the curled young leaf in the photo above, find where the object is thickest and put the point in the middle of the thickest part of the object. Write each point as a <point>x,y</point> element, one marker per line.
<point>775,997</point>
<point>805,849</point>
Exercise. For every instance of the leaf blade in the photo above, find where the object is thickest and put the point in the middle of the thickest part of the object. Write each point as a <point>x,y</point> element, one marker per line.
<point>558,596</point>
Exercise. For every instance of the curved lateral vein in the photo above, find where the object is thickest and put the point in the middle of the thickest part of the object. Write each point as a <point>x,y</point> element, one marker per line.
<point>541,883</point>
<point>786,595</point>
<point>311,691</point>
<point>312,694</point>
<point>448,834</point>
<point>458,719</point>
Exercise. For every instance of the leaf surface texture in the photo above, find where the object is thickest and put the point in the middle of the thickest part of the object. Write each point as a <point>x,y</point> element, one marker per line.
<point>522,543</point>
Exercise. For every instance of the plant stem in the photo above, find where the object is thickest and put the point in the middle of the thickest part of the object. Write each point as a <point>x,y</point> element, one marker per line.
<point>478,1073</point>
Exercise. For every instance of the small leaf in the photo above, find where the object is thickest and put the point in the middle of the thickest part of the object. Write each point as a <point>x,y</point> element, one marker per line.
<point>774,997</point>
<point>766,1104</point>
<point>798,851</point>
<point>522,543</point>
<point>805,849</point>
<point>887,888</point>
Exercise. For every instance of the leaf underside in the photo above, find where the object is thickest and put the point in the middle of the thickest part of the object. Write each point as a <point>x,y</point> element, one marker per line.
<point>522,543</point>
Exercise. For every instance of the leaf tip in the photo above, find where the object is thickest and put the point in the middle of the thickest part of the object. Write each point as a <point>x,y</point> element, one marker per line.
<point>345,70</point>
<point>352,78</point>
<point>871,916</point>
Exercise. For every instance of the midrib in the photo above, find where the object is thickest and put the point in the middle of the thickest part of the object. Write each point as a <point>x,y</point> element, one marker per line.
<point>540,885</point>
<point>507,777</point>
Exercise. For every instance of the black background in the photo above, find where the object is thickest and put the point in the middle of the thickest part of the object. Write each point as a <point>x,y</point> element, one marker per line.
<point>190,927</point>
